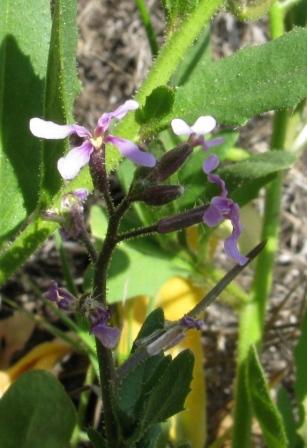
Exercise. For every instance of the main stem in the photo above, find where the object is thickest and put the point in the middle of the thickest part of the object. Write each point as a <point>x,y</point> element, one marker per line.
<point>253,315</point>
<point>105,358</point>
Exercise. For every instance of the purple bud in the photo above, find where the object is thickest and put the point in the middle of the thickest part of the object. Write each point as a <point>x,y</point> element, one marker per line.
<point>170,162</point>
<point>62,298</point>
<point>159,194</point>
<point>190,323</point>
<point>108,336</point>
<point>182,220</point>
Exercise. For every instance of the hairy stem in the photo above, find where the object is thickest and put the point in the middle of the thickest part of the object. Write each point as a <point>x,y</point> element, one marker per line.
<point>105,357</point>
<point>170,56</point>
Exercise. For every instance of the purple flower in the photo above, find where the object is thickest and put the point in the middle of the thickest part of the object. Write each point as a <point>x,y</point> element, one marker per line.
<point>70,165</point>
<point>190,323</point>
<point>203,125</point>
<point>222,207</point>
<point>62,298</point>
<point>107,335</point>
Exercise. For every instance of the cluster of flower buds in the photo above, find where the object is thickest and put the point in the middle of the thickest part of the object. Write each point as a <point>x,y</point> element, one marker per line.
<point>70,215</point>
<point>95,312</point>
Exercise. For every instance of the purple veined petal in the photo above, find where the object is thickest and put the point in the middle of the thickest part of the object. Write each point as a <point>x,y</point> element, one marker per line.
<point>50,130</point>
<point>214,142</point>
<point>211,164</point>
<point>53,292</point>
<point>81,131</point>
<point>132,151</point>
<point>180,127</point>
<point>70,165</point>
<point>119,113</point>
<point>108,336</point>
<point>212,216</point>
<point>203,125</point>
<point>231,243</point>
<point>81,194</point>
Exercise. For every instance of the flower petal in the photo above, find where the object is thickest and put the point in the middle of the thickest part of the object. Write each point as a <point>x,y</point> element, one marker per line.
<point>211,164</point>
<point>81,194</point>
<point>50,130</point>
<point>231,243</point>
<point>108,336</point>
<point>203,125</point>
<point>70,165</point>
<point>132,151</point>
<point>119,113</point>
<point>180,127</point>
<point>213,216</point>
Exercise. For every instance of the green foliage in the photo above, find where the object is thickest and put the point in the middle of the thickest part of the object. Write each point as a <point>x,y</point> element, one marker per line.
<point>177,10</point>
<point>285,407</point>
<point>174,386</point>
<point>24,44</point>
<point>157,105</point>
<point>249,9</point>
<point>140,390</point>
<point>263,407</point>
<point>61,88</point>
<point>96,439</point>
<point>28,166</point>
<point>36,412</point>
<point>243,179</point>
<point>252,81</point>
<point>300,356</point>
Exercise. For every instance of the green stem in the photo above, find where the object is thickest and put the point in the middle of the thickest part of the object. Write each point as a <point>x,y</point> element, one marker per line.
<point>252,317</point>
<point>145,17</point>
<point>170,56</point>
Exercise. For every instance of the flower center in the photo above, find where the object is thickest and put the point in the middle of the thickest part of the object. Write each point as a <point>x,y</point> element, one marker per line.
<point>97,141</point>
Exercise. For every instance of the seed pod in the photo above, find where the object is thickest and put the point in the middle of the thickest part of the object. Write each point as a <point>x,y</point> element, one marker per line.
<point>181,221</point>
<point>159,194</point>
<point>170,162</point>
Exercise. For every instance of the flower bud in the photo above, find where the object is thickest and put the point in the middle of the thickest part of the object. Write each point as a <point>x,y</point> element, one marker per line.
<point>178,222</point>
<point>170,162</point>
<point>159,194</point>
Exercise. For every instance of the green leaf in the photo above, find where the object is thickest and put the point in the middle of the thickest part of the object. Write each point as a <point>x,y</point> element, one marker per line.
<point>285,407</point>
<point>300,386</point>
<point>158,104</point>
<point>252,81</point>
<point>264,409</point>
<point>96,439</point>
<point>62,86</point>
<point>244,179</point>
<point>24,44</point>
<point>131,259</point>
<point>173,386</point>
<point>151,438</point>
<point>154,321</point>
<point>36,412</point>
<point>60,89</point>
<point>35,233</point>
<point>177,10</point>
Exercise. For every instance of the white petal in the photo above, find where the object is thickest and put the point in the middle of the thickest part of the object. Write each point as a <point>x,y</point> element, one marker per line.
<point>48,129</point>
<point>180,127</point>
<point>70,165</point>
<point>204,125</point>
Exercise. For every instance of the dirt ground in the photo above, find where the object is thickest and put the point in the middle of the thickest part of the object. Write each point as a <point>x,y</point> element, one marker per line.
<point>113,59</point>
